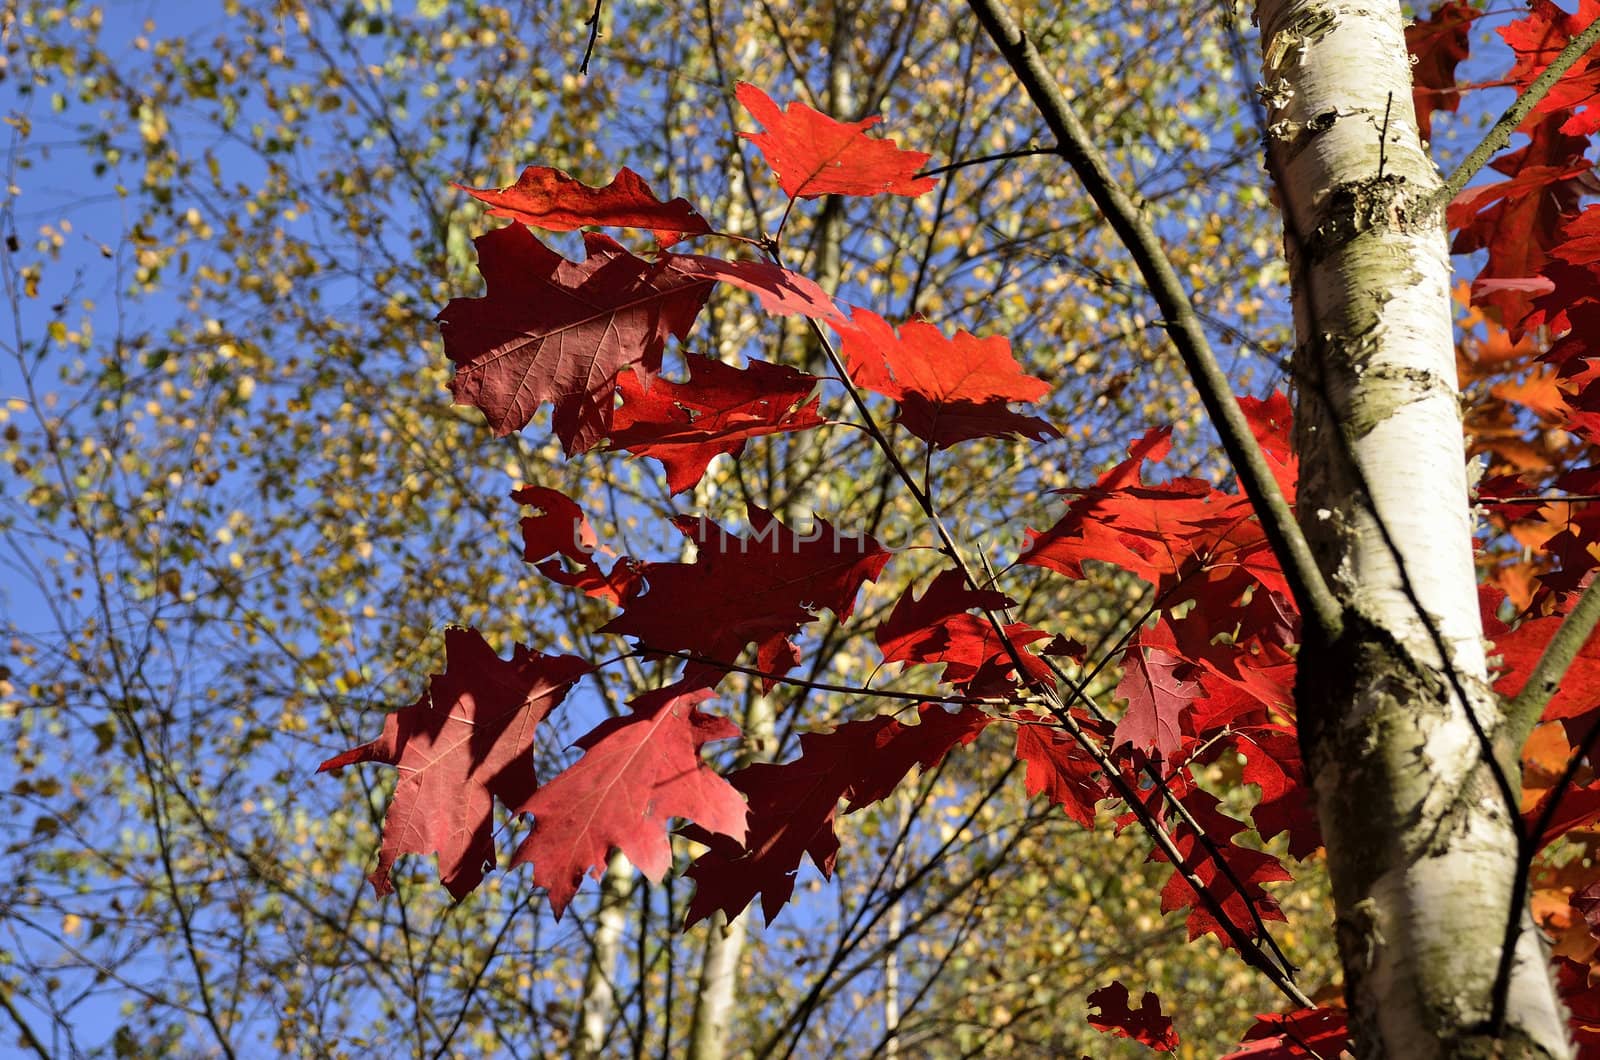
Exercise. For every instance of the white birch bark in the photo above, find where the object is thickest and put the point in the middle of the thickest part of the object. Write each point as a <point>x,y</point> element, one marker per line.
<point>1420,847</point>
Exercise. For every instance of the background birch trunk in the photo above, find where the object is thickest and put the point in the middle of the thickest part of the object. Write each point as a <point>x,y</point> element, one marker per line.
<point>1395,717</point>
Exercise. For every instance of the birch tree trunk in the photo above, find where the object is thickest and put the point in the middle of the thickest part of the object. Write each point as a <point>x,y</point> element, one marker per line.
<point>1396,717</point>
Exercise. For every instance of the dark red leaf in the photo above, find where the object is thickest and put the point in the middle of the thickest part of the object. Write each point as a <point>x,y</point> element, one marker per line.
<point>637,772</point>
<point>560,531</point>
<point>814,155</point>
<point>1437,44</point>
<point>465,743</point>
<point>1145,1024</point>
<point>1519,220</point>
<point>944,425</point>
<point>686,425</point>
<point>760,588</point>
<point>793,805</point>
<point>548,198</point>
<point>1061,769</point>
<point>940,627</point>
<point>551,330</point>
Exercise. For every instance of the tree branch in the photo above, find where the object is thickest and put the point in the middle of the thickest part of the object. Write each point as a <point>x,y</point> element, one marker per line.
<point>1500,134</point>
<point>1524,711</point>
<point>1319,609</point>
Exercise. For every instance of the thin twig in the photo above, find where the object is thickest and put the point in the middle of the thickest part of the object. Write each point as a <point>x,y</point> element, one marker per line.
<point>1021,152</point>
<point>593,22</point>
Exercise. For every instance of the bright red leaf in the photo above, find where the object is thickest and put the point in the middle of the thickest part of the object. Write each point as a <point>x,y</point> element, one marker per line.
<point>814,155</point>
<point>465,743</point>
<point>637,772</point>
<point>951,389</point>
<point>1288,1036</point>
<point>556,331</point>
<point>686,425</point>
<point>793,805</point>
<point>548,198</point>
<point>1060,769</point>
<point>780,292</point>
<point>1537,40</point>
<point>1145,1025</point>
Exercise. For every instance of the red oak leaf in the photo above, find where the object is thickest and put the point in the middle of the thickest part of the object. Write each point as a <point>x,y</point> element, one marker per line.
<point>781,292</point>
<point>940,628</point>
<point>944,425</point>
<point>1288,1036</point>
<point>950,390</point>
<point>1250,867</point>
<point>561,532</point>
<point>465,743</point>
<point>760,588</point>
<point>1518,220</point>
<point>1582,1001</point>
<point>559,331</point>
<point>637,772</point>
<point>1159,687</point>
<point>686,425</point>
<point>1272,763</point>
<point>1437,45</point>
<point>1180,534</point>
<point>793,805</point>
<point>1145,1025</point>
<point>1519,650</point>
<point>1061,769</point>
<point>548,198</point>
<point>1537,40</point>
<point>814,155</point>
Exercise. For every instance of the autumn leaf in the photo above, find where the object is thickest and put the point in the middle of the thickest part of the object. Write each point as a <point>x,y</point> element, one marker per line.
<point>951,389</point>
<point>1145,1025</point>
<point>1060,769</point>
<point>637,772</point>
<point>761,588</point>
<point>548,198</point>
<point>1309,1034</point>
<point>814,155</point>
<point>778,290</point>
<point>556,331</point>
<point>1537,40</point>
<point>1159,688</point>
<point>1518,220</point>
<point>940,628</point>
<point>687,425</point>
<point>1437,45</point>
<point>561,544</point>
<point>465,743</point>
<point>793,805</point>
